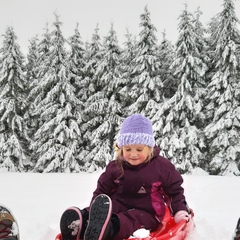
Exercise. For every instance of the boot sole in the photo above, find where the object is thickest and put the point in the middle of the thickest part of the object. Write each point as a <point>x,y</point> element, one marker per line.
<point>99,216</point>
<point>70,215</point>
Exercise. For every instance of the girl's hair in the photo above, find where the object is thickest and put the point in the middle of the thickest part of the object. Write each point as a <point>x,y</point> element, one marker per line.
<point>119,156</point>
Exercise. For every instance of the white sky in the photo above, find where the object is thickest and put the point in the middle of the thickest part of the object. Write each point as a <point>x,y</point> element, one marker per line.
<point>29,17</point>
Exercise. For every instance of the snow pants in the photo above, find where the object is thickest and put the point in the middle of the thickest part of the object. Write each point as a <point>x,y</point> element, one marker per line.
<point>132,220</point>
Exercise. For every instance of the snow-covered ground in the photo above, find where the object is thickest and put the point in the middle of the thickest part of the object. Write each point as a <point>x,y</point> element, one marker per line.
<point>38,200</point>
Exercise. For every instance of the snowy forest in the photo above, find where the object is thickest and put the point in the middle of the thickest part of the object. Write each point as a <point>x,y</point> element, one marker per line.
<point>62,104</point>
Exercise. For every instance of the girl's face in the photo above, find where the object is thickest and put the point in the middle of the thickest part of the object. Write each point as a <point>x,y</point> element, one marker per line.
<point>135,154</point>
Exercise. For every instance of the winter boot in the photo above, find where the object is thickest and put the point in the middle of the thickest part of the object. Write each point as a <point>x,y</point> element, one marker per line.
<point>71,224</point>
<point>8,225</point>
<point>99,225</point>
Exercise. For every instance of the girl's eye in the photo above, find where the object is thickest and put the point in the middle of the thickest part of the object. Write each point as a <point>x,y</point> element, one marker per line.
<point>139,150</point>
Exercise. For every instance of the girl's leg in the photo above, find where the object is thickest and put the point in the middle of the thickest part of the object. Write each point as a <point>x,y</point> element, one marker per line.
<point>132,220</point>
<point>99,223</point>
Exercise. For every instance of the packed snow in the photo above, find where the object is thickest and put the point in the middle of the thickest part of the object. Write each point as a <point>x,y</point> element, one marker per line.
<point>38,200</point>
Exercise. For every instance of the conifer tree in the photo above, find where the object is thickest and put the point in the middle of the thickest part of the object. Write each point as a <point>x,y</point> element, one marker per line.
<point>32,62</point>
<point>57,138</point>
<point>182,140</point>
<point>146,84</point>
<point>31,76</point>
<point>44,46</point>
<point>93,54</point>
<point>77,67</point>
<point>32,57</point>
<point>127,56</point>
<point>38,52</point>
<point>223,101</point>
<point>200,31</point>
<point>104,106</point>
<point>202,47</point>
<point>77,63</point>
<point>210,28</point>
<point>166,55</point>
<point>93,57</point>
<point>14,141</point>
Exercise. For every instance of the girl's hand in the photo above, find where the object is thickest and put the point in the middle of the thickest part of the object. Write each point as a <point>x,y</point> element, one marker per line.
<point>181,215</point>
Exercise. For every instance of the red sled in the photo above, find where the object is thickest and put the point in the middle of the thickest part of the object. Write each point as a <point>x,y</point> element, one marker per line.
<point>168,230</point>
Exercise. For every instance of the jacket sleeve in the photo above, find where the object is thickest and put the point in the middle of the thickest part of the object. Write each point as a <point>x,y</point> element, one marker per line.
<point>105,184</point>
<point>172,187</point>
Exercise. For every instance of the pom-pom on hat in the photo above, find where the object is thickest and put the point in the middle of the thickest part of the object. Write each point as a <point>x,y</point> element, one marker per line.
<point>136,129</point>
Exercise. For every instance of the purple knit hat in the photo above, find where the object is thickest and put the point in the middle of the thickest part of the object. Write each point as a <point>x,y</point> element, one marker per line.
<point>136,129</point>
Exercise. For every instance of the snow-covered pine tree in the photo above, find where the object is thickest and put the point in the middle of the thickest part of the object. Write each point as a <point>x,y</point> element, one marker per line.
<point>77,63</point>
<point>44,46</point>
<point>127,56</point>
<point>77,68</point>
<point>14,141</point>
<point>182,140</point>
<point>93,57</point>
<point>166,54</point>
<point>57,138</point>
<point>31,76</point>
<point>32,57</point>
<point>210,51</point>
<point>103,106</point>
<point>201,41</point>
<point>146,85</point>
<point>201,83</point>
<point>36,67</point>
<point>222,131</point>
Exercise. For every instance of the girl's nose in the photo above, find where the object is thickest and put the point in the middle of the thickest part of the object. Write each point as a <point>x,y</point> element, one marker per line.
<point>133,153</point>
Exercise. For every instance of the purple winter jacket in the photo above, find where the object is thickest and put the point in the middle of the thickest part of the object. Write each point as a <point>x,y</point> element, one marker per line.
<point>145,186</point>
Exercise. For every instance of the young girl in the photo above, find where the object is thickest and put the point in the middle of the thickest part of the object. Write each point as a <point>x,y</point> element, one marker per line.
<point>132,192</point>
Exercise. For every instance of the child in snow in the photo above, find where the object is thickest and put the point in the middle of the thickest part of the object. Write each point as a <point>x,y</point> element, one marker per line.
<point>8,225</point>
<point>132,192</point>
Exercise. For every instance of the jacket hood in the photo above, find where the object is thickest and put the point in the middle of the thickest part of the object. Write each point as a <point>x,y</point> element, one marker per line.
<point>156,151</point>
